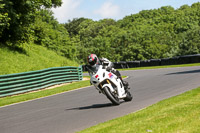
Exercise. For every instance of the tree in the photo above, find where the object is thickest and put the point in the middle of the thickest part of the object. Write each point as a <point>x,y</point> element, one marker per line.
<point>3,18</point>
<point>73,26</point>
<point>20,16</point>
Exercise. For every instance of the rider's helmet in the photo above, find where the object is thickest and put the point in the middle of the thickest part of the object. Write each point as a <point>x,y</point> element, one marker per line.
<point>92,60</point>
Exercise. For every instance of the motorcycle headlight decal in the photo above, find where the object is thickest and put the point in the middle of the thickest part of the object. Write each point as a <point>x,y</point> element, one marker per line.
<point>110,75</point>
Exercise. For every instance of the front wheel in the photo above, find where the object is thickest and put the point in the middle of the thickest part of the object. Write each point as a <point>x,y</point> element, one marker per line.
<point>112,97</point>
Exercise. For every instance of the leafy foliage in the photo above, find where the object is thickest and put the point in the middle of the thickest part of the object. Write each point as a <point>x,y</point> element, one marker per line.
<point>159,33</point>
<point>3,19</point>
<point>17,17</point>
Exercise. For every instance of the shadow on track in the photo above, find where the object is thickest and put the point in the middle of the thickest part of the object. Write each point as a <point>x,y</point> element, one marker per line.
<point>94,106</point>
<point>185,72</point>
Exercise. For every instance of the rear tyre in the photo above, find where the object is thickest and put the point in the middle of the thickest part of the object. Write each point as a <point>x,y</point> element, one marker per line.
<point>112,97</point>
<point>128,97</point>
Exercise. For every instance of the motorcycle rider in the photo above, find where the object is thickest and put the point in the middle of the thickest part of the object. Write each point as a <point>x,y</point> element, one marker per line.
<point>93,61</point>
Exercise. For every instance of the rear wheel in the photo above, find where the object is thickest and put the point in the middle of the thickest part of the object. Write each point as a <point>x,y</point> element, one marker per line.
<point>111,96</point>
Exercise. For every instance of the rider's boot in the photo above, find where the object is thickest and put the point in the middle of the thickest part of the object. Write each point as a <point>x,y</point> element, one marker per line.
<point>125,83</point>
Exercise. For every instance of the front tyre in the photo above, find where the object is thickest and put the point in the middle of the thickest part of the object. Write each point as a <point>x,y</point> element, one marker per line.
<point>128,97</point>
<point>112,97</point>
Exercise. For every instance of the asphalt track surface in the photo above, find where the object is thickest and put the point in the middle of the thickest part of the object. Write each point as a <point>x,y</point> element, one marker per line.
<point>76,110</point>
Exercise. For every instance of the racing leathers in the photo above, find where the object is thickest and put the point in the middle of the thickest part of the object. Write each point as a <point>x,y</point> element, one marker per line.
<point>110,67</point>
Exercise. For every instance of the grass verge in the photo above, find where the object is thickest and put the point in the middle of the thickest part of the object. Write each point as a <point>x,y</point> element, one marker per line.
<point>179,114</point>
<point>36,58</point>
<point>157,67</point>
<point>34,95</point>
<point>42,93</point>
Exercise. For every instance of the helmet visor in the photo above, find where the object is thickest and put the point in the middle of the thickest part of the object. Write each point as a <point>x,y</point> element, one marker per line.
<point>92,63</point>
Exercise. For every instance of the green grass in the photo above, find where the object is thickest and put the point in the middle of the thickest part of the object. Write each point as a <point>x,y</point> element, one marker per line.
<point>29,96</point>
<point>157,67</point>
<point>36,58</point>
<point>42,93</point>
<point>179,114</point>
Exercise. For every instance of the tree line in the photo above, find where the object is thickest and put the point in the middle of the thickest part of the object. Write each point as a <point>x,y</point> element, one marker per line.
<point>149,34</point>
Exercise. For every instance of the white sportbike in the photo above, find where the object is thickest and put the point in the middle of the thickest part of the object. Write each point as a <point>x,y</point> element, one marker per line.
<point>109,84</point>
